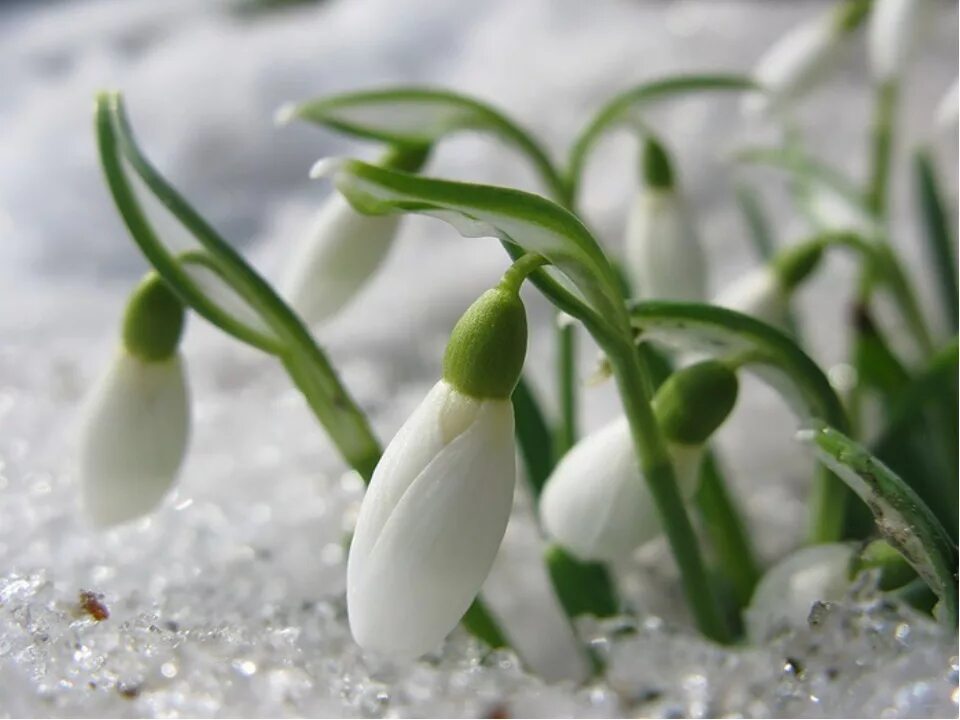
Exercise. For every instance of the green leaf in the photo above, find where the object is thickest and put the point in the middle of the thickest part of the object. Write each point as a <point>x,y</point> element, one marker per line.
<point>625,108</point>
<point>481,624</point>
<point>290,340</point>
<point>920,437</point>
<point>421,116</point>
<point>901,516</point>
<point>533,437</point>
<point>939,243</point>
<point>526,222</point>
<point>728,537</point>
<point>773,356</point>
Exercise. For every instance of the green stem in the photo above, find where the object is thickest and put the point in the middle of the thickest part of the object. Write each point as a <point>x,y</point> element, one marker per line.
<point>657,469</point>
<point>566,434</point>
<point>882,135</point>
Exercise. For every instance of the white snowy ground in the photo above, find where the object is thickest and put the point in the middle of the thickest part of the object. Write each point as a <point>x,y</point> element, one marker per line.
<point>228,600</point>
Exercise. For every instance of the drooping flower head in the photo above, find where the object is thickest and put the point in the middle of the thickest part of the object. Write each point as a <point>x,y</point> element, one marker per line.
<point>343,250</point>
<point>596,502</point>
<point>804,57</point>
<point>892,34</point>
<point>764,292</point>
<point>438,503</point>
<point>664,258</point>
<point>136,423</point>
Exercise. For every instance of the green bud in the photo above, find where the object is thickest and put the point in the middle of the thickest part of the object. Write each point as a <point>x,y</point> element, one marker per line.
<point>657,172</point>
<point>487,346</point>
<point>794,264</point>
<point>583,588</point>
<point>693,402</point>
<point>153,321</point>
<point>405,158</point>
<point>895,571</point>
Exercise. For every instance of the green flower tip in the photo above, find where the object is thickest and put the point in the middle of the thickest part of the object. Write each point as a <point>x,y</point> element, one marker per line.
<point>487,346</point>
<point>793,265</point>
<point>694,401</point>
<point>657,171</point>
<point>153,322</point>
<point>851,14</point>
<point>405,158</point>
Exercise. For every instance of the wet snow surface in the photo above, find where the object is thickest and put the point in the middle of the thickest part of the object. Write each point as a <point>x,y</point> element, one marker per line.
<point>229,599</point>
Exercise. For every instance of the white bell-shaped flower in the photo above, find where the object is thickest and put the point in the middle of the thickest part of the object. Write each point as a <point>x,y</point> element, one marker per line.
<point>136,423</point>
<point>784,597</point>
<point>757,293</point>
<point>892,35</point>
<point>343,249</point>
<point>431,522</point>
<point>439,500</point>
<point>596,502</point>
<point>134,437</point>
<point>665,260</point>
<point>803,58</point>
<point>342,252</point>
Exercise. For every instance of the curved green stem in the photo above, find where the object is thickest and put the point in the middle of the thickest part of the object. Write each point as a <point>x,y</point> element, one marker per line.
<point>882,136</point>
<point>622,106</point>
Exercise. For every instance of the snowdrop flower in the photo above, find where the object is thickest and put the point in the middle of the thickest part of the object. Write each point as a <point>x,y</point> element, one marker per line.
<point>948,109</point>
<point>438,503</point>
<point>137,421</point>
<point>892,33</point>
<point>804,57</point>
<point>764,292</point>
<point>664,257</point>
<point>343,250</point>
<point>596,503</point>
<point>785,595</point>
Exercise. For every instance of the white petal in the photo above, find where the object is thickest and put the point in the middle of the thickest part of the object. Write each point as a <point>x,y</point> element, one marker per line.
<point>757,293</point>
<point>133,438</point>
<point>797,62</point>
<point>892,34</point>
<point>341,254</point>
<point>664,257</point>
<point>948,109</point>
<point>786,593</point>
<point>596,503</point>
<point>424,545</point>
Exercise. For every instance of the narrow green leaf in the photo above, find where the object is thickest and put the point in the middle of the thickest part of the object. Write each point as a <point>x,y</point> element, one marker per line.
<point>481,624</point>
<point>728,537</point>
<point>939,242</point>
<point>525,221</point>
<point>920,438</point>
<point>773,356</point>
<point>583,588</point>
<point>308,366</point>
<point>901,516</point>
<point>422,116</point>
<point>625,108</point>
<point>533,437</point>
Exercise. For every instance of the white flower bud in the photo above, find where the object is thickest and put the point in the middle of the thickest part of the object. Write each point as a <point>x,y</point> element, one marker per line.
<point>785,595</point>
<point>664,257</point>
<point>596,502</point>
<point>341,253</point>
<point>892,35</point>
<point>948,109</point>
<point>758,293</point>
<point>133,437</point>
<point>431,522</point>
<point>798,62</point>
